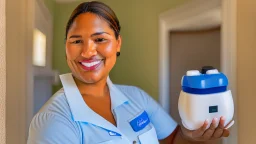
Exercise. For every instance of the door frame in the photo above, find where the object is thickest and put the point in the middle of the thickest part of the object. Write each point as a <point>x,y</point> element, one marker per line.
<point>19,82</point>
<point>194,15</point>
<point>3,71</point>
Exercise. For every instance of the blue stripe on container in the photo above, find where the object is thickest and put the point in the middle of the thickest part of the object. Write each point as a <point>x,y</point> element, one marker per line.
<point>204,91</point>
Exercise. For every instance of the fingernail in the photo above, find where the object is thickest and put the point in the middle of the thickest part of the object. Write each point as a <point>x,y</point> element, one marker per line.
<point>207,121</point>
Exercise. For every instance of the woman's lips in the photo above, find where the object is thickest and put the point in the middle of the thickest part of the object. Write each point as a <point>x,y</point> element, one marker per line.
<point>90,65</point>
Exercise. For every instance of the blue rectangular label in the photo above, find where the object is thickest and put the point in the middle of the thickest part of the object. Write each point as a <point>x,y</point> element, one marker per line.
<point>213,109</point>
<point>140,122</point>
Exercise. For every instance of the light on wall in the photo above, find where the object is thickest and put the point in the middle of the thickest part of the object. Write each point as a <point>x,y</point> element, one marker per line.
<point>39,49</point>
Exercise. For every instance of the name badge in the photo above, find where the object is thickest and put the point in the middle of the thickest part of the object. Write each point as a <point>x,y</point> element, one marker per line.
<point>140,122</point>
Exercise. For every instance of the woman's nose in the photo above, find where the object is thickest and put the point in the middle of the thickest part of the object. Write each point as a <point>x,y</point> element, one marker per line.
<point>89,50</point>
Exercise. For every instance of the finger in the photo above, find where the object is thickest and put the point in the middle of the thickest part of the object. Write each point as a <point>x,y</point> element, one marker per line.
<point>222,122</point>
<point>225,133</point>
<point>209,132</point>
<point>201,130</point>
<point>219,130</point>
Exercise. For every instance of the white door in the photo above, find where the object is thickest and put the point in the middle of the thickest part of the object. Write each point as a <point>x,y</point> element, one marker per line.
<point>42,55</point>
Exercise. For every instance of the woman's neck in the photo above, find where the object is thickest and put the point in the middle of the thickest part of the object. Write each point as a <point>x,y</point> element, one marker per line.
<point>98,89</point>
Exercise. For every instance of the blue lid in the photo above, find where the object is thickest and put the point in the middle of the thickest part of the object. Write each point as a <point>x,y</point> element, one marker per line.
<point>205,83</point>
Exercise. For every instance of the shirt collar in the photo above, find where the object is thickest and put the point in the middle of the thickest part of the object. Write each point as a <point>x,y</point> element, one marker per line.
<point>117,97</point>
<point>81,111</point>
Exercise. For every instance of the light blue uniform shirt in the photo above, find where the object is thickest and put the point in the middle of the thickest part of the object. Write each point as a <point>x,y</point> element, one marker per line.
<point>66,119</point>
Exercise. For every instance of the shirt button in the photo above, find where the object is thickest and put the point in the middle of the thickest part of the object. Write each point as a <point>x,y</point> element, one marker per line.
<point>134,142</point>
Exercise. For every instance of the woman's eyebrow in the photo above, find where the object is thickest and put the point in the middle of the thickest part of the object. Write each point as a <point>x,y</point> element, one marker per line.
<point>99,33</point>
<point>75,36</point>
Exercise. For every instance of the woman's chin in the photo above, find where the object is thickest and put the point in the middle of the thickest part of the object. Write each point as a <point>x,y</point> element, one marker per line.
<point>90,78</point>
<point>90,81</point>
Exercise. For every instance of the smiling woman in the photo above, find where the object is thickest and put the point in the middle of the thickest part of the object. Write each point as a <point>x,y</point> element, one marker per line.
<point>90,109</point>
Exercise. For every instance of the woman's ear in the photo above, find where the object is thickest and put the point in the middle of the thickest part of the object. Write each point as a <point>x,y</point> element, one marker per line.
<point>119,43</point>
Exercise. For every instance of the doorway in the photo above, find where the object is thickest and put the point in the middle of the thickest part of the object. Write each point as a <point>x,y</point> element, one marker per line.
<point>190,50</point>
<point>43,75</point>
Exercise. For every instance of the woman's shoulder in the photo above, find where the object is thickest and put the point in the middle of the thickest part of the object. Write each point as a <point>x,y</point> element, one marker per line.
<point>57,105</point>
<point>54,122</point>
<point>129,90</point>
<point>134,93</point>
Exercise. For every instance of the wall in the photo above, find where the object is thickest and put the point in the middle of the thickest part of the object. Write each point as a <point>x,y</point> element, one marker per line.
<point>2,73</point>
<point>138,63</point>
<point>246,68</point>
<point>50,4</point>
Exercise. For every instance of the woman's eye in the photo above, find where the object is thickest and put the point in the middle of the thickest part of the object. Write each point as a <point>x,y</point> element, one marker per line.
<point>77,41</point>
<point>100,40</point>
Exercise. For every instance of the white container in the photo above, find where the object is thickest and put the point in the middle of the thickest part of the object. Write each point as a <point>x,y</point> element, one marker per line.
<point>204,97</point>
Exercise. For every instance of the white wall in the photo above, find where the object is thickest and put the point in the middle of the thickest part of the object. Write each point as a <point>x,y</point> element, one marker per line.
<point>2,72</point>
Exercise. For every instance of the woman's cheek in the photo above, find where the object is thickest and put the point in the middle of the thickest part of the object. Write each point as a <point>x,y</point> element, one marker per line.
<point>110,55</point>
<point>109,50</point>
<point>72,53</point>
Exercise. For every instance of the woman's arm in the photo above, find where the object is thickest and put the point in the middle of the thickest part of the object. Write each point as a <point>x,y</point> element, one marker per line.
<point>171,137</point>
<point>177,138</point>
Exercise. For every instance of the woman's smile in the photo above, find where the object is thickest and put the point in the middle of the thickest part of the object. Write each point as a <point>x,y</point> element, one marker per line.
<point>91,65</point>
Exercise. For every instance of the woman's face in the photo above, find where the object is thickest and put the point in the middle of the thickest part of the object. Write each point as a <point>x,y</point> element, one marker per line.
<point>91,48</point>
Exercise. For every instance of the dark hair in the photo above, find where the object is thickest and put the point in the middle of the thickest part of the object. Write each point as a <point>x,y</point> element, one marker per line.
<point>99,9</point>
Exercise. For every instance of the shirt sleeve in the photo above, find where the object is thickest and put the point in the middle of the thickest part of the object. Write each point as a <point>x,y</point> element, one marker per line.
<point>48,128</point>
<point>162,121</point>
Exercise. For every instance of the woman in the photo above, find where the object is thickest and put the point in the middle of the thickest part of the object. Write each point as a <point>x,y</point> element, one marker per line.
<point>90,109</point>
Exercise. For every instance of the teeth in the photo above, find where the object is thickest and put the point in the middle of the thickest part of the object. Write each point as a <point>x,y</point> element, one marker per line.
<point>91,63</point>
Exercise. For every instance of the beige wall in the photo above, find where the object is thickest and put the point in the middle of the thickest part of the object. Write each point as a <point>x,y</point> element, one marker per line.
<point>2,72</point>
<point>246,70</point>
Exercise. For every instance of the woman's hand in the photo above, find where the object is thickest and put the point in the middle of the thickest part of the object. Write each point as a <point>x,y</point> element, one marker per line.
<point>215,131</point>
